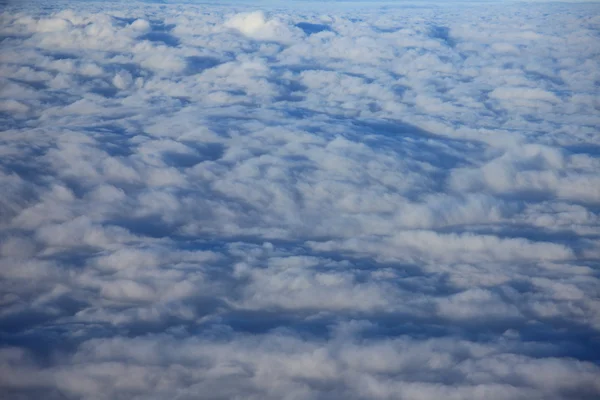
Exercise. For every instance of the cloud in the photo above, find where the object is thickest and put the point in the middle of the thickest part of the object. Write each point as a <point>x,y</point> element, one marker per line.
<point>256,25</point>
<point>300,202</point>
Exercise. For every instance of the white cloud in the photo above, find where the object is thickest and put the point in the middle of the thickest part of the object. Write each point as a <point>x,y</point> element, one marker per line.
<point>301,202</point>
<point>256,25</point>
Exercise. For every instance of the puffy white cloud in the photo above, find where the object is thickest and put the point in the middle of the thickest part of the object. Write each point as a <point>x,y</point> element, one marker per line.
<point>301,202</point>
<point>256,25</point>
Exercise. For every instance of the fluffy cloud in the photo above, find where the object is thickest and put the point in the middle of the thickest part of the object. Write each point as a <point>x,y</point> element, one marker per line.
<point>299,202</point>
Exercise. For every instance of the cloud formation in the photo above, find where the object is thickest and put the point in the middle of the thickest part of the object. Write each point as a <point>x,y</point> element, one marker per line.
<point>210,202</point>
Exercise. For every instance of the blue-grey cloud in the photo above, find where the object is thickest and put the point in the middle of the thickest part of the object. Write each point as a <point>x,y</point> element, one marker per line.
<point>299,202</point>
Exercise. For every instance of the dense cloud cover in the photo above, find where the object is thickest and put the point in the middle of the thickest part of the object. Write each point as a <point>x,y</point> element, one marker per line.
<point>200,202</point>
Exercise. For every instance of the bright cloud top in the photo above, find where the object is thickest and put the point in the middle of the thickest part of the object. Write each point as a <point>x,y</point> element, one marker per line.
<point>205,202</point>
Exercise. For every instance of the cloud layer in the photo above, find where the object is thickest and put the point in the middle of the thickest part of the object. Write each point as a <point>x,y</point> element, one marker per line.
<point>209,202</point>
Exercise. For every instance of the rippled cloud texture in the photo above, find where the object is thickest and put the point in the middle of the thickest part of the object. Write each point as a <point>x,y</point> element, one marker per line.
<point>203,202</point>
